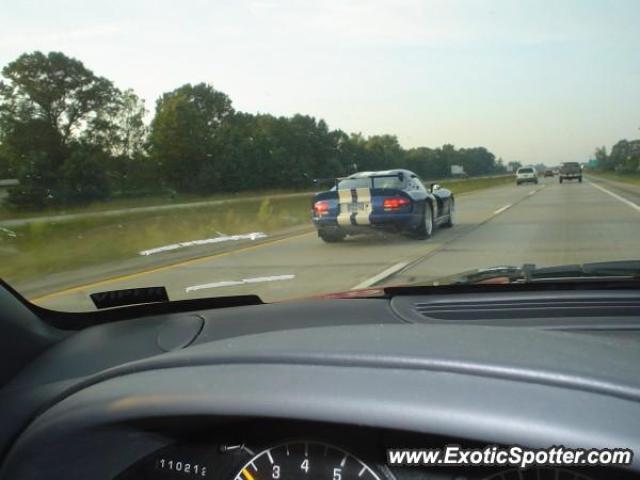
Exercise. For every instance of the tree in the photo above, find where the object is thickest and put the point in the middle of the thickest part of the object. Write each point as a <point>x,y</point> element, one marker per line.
<point>57,89</point>
<point>121,131</point>
<point>513,166</point>
<point>84,174</point>
<point>500,167</point>
<point>428,163</point>
<point>71,136</point>
<point>625,156</point>
<point>47,104</point>
<point>186,137</point>
<point>602,159</point>
<point>477,161</point>
<point>385,152</point>
<point>353,153</point>
<point>5,168</point>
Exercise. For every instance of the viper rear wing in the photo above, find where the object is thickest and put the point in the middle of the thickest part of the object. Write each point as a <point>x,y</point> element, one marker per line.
<point>372,181</point>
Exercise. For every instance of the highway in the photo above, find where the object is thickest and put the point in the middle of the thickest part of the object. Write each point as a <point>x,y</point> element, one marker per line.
<point>545,224</point>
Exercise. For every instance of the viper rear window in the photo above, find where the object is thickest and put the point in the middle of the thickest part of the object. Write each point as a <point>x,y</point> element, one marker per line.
<point>368,182</point>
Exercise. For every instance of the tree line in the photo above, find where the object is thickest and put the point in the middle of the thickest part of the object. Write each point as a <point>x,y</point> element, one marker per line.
<point>72,137</point>
<point>623,158</point>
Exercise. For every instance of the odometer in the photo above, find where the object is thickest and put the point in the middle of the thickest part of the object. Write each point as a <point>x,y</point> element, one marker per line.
<point>305,461</point>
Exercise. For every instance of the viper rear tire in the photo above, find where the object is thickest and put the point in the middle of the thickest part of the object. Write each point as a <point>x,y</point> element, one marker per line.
<point>452,215</point>
<point>427,225</point>
<point>331,236</point>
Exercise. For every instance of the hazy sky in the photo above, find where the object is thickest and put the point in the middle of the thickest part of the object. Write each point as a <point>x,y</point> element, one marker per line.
<point>531,80</point>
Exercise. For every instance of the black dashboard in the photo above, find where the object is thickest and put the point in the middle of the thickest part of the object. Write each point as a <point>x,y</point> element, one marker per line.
<point>323,388</point>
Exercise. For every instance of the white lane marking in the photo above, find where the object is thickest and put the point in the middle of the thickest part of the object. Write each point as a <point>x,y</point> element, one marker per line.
<point>244,281</point>
<point>399,266</point>
<point>381,276</point>
<point>500,210</point>
<point>617,197</point>
<point>205,241</point>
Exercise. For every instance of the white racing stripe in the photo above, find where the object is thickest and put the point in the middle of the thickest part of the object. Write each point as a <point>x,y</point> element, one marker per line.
<point>244,281</point>
<point>205,241</point>
<point>381,276</point>
<point>363,195</point>
<point>500,210</point>
<point>344,200</point>
<point>616,196</point>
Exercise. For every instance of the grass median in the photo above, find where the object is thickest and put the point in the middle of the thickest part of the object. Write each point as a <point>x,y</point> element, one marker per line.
<point>42,248</point>
<point>45,247</point>
<point>630,178</point>
<point>473,184</point>
<point>140,202</point>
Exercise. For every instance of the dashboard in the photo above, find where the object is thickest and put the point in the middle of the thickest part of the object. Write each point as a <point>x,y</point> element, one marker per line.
<point>321,389</point>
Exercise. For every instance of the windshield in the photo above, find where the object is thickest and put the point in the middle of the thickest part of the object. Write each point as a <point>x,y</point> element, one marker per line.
<point>197,145</point>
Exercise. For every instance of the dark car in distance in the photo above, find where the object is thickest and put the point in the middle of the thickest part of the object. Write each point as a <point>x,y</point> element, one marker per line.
<point>390,200</point>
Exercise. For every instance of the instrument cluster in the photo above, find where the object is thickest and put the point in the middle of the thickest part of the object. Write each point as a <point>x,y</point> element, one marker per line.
<point>282,451</point>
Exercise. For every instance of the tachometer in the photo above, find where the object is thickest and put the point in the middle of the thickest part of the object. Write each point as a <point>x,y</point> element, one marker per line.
<point>305,461</point>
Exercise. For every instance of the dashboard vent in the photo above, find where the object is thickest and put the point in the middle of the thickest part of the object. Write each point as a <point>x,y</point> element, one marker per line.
<point>527,309</point>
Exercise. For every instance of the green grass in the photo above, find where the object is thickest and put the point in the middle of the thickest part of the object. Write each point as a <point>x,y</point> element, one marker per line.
<point>631,178</point>
<point>136,202</point>
<point>45,247</point>
<point>472,184</point>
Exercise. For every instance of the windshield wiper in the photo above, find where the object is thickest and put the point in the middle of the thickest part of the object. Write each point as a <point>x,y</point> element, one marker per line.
<point>622,268</point>
<point>529,273</point>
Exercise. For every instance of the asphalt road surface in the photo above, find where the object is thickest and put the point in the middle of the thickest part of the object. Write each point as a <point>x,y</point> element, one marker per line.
<point>546,224</point>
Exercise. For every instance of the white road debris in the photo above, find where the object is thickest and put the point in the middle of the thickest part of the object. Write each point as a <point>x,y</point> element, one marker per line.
<point>244,281</point>
<point>205,241</point>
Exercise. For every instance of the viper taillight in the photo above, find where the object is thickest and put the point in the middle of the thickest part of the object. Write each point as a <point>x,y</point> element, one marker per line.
<point>395,203</point>
<point>321,207</point>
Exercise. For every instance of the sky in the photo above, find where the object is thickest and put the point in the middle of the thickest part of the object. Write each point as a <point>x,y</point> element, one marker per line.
<point>533,81</point>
